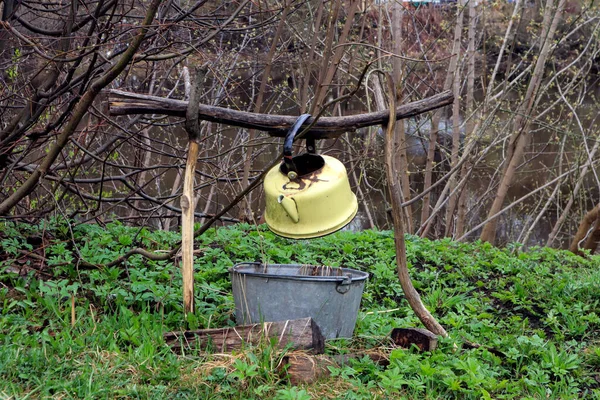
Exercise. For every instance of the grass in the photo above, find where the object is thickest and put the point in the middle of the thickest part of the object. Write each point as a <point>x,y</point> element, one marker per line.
<point>535,313</point>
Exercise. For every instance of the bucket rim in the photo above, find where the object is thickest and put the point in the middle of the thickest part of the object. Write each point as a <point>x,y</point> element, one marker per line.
<point>355,275</point>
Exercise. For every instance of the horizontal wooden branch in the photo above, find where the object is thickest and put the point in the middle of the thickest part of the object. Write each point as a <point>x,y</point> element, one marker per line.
<point>126,103</point>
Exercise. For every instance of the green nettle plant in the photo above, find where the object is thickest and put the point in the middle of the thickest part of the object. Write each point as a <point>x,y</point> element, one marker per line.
<point>73,328</point>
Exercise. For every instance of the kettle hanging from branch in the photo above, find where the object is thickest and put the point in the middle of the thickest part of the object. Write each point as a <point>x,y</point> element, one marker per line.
<point>307,195</point>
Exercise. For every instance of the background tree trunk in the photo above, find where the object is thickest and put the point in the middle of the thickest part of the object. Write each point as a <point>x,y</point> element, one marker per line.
<point>520,129</point>
<point>433,135</point>
<point>471,117</point>
<point>400,131</point>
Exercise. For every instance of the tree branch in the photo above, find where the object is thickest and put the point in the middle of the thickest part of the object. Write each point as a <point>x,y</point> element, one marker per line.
<point>79,112</point>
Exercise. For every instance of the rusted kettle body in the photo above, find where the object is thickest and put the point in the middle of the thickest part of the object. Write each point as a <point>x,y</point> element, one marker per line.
<point>308,195</point>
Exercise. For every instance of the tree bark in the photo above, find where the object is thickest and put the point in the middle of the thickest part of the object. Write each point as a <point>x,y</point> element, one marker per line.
<point>400,131</point>
<point>594,237</point>
<point>422,338</point>
<point>187,228</point>
<point>188,203</point>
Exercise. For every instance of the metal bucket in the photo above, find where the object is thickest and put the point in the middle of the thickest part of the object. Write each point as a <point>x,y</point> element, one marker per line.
<point>278,292</point>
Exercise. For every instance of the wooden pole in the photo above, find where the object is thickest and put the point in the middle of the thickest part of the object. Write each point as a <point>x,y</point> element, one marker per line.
<point>187,228</point>
<point>188,204</point>
<point>412,296</point>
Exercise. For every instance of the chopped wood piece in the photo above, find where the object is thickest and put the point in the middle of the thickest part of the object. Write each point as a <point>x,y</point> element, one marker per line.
<point>422,338</point>
<point>301,334</point>
<point>305,368</point>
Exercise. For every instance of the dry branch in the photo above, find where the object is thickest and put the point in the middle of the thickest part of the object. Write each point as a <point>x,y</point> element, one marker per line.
<point>411,294</point>
<point>125,103</point>
<point>79,111</point>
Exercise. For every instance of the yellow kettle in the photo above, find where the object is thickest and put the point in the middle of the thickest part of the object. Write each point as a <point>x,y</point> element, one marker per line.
<point>308,195</point>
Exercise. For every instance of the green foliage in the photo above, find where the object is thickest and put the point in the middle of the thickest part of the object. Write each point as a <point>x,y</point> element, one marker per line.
<point>292,393</point>
<point>13,70</point>
<point>536,314</point>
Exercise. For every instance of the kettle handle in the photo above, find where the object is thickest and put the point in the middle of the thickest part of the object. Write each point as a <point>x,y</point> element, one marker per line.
<point>289,140</point>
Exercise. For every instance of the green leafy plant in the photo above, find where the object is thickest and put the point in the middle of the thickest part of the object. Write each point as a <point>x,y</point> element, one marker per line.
<point>292,393</point>
<point>534,312</point>
<point>13,70</point>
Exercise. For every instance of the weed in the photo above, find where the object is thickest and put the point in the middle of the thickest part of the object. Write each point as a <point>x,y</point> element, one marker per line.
<point>539,310</point>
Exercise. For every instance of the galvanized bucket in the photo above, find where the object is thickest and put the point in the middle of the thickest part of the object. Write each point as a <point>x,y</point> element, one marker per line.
<point>278,292</point>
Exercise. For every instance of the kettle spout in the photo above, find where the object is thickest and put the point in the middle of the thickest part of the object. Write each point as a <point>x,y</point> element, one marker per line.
<point>289,206</point>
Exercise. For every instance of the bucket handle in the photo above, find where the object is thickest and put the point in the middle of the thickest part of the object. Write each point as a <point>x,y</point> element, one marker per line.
<point>344,285</point>
<point>342,282</point>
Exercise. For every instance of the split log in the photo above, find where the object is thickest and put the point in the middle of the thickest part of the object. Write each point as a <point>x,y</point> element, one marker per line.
<point>422,338</point>
<point>305,368</point>
<point>298,334</point>
<point>126,103</point>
